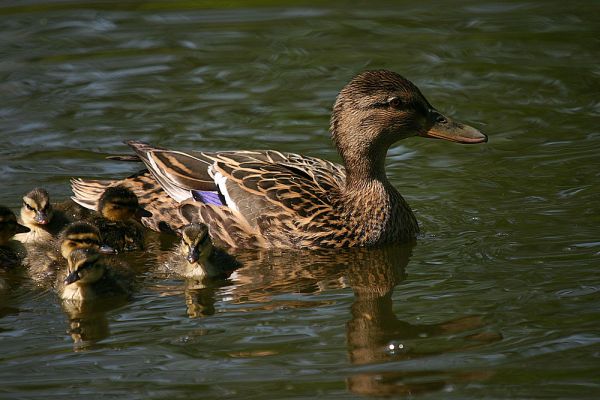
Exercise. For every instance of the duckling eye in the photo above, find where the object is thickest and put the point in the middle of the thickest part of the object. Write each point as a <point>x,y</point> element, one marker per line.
<point>29,207</point>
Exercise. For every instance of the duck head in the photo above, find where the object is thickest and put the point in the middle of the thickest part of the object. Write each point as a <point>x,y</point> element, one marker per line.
<point>9,226</point>
<point>36,209</point>
<point>378,108</point>
<point>120,204</point>
<point>81,235</point>
<point>84,266</point>
<point>196,244</point>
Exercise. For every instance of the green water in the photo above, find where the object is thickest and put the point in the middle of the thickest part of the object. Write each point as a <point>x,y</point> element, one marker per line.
<point>499,298</point>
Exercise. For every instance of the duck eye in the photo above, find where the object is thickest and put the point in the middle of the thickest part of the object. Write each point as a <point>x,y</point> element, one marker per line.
<point>395,102</point>
<point>29,207</point>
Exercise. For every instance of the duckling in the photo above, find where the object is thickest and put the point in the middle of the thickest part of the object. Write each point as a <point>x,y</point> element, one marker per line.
<point>118,214</point>
<point>9,252</point>
<point>38,214</point>
<point>88,278</point>
<point>197,257</point>
<point>45,259</point>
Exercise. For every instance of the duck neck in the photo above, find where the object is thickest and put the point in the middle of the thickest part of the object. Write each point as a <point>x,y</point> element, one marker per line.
<point>370,203</point>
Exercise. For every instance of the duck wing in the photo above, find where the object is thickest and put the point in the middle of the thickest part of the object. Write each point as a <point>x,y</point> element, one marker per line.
<point>180,172</point>
<point>256,195</point>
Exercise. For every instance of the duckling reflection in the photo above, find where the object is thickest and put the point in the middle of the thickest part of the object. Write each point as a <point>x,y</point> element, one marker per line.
<point>10,251</point>
<point>86,328</point>
<point>45,259</point>
<point>118,218</point>
<point>89,278</point>
<point>41,217</point>
<point>195,257</point>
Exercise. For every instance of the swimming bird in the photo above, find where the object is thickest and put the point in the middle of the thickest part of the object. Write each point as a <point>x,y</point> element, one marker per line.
<point>118,212</point>
<point>45,259</point>
<point>88,277</point>
<point>41,217</point>
<point>196,257</point>
<point>272,199</point>
<point>9,252</point>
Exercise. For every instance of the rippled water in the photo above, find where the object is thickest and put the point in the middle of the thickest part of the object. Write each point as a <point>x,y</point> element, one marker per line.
<point>499,299</point>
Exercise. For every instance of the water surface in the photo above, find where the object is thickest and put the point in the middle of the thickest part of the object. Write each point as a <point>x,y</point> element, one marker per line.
<point>499,298</point>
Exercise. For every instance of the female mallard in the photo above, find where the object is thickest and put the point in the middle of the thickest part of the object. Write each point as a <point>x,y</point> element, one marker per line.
<point>196,257</point>
<point>9,253</point>
<point>273,199</point>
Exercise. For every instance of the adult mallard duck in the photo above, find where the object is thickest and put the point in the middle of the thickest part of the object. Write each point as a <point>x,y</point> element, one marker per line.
<point>9,253</point>
<point>274,199</point>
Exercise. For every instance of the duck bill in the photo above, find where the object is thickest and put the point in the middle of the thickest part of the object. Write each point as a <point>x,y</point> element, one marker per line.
<point>22,228</point>
<point>447,129</point>
<point>72,277</point>
<point>41,218</point>
<point>106,249</point>
<point>193,256</point>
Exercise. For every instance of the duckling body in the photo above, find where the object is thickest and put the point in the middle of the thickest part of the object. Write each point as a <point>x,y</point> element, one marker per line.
<point>11,253</point>
<point>45,259</point>
<point>116,217</point>
<point>89,278</point>
<point>43,219</point>
<point>271,199</point>
<point>196,257</point>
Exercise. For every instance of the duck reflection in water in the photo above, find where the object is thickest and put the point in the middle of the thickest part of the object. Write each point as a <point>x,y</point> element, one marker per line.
<point>376,336</point>
<point>92,285</point>
<point>373,275</point>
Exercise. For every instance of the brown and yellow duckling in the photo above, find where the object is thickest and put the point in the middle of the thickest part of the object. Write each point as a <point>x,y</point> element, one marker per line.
<point>88,277</point>
<point>45,259</point>
<point>117,219</point>
<point>196,256</point>
<point>10,254</point>
<point>43,219</point>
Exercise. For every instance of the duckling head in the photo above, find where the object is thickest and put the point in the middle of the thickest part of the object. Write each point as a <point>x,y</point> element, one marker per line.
<point>378,108</point>
<point>79,235</point>
<point>36,209</point>
<point>9,226</point>
<point>120,204</point>
<point>196,245</point>
<point>84,266</point>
